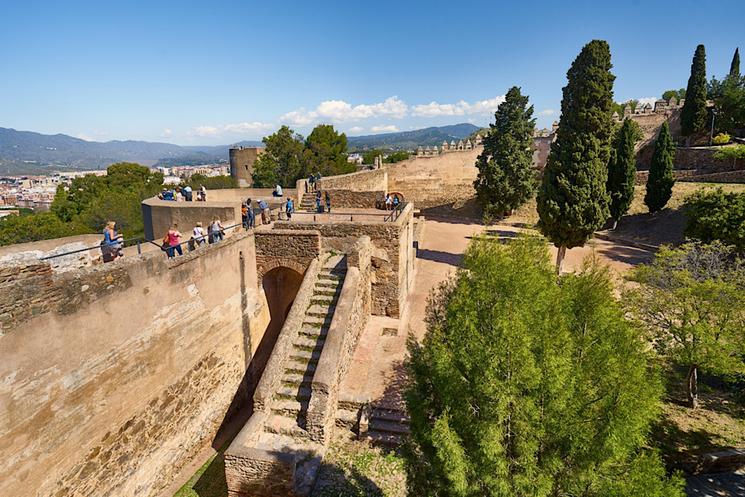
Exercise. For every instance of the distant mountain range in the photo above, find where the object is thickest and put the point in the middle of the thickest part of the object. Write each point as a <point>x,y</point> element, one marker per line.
<point>410,140</point>
<point>26,152</point>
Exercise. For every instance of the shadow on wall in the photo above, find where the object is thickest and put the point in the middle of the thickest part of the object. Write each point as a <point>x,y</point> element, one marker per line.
<point>465,211</point>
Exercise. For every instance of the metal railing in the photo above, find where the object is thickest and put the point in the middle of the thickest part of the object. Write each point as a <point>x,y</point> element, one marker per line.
<point>138,241</point>
<point>396,212</point>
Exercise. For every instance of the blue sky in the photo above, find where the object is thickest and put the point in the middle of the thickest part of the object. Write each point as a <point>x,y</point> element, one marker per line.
<point>196,72</point>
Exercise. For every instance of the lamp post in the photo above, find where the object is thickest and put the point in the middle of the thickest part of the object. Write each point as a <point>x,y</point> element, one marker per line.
<point>711,135</point>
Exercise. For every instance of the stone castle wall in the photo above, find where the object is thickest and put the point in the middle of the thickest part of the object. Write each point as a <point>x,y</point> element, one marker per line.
<point>115,376</point>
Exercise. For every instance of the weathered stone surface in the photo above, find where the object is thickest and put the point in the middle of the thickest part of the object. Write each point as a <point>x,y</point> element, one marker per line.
<point>115,376</point>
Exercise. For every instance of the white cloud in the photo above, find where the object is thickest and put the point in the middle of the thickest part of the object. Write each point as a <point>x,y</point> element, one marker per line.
<point>205,131</point>
<point>460,108</point>
<point>85,137</point>
<point>341,111</point>
<point>248,127</point>
<point>547,112</point>
<point>356,129</point>
<point>647,100</point>
<point>167,132</point>
<point>389,128</point>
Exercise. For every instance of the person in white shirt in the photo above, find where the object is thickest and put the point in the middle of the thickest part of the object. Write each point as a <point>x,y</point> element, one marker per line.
<point>277,191</point>
<point>199,235</point>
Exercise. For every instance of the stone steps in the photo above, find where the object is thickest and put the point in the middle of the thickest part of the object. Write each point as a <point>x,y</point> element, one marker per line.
<point>293,393</point>
<point>289,408</point>
<point>388,427</point>
<point>282,425</point>
<point>306,355</point>
<point>347,418</point>
<point>314,332</point>
<point>391,440</point>
<point>392,427</point>
<point>320,311</point>
<point>300,367</point>
<point>294,379</point>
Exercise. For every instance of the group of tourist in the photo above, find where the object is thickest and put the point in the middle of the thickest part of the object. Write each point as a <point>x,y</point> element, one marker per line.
<point>171,243</point>
<point>185,194</point>
<point>391,201</point>
<point>319,206</point>
<point>313,181</point>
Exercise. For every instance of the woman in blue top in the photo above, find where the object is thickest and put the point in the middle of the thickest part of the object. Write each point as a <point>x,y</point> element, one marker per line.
<point>110,245</point>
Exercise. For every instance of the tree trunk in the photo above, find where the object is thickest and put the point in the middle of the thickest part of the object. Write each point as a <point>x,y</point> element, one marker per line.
<point>692,386</point>
<point>560,259</point>
<point>615,225</point>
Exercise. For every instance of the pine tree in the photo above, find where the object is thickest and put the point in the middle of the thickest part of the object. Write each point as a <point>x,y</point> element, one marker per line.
<point>693,115</point>
<point>622,169</point>
<point>282,160</point>
<point>506,178</point>
<point>572,201</point>
<point>660,180</point>
<point>734,67</point>
<point>525,385</point>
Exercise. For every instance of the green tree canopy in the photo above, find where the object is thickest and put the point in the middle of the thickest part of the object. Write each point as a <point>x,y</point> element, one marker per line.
<point>506,178</point>
<point>398,156</point>
<point>326,151</point>
<point>660,180</point>
<point>282,160</point>
<point>572,200</point>
<point>678,94</point>
<point>210,182</point>
<point>368,157</point>
<point>693,115</point>
<point>528,386</point>
<point>692,301</point>
<point>622,169</point>
<point>34,227</point>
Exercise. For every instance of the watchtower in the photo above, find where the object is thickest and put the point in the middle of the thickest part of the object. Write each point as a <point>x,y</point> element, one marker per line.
<point>242,164</point>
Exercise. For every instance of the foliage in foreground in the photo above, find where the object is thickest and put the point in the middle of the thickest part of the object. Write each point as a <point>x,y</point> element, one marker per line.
<point>715,215</point>
<point>691,299</point>
<point>506,178</point>
<point>529,386</point>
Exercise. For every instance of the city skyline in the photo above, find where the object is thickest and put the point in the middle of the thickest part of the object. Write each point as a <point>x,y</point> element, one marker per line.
<point>183,74</point>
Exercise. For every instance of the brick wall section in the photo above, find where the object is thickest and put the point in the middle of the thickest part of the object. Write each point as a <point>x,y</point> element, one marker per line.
<point>361,181</point>
<point>392,264</point>
<point>125,371</point>
<point>356,200</point>
<point>253,472</point>
<point>286,248</point>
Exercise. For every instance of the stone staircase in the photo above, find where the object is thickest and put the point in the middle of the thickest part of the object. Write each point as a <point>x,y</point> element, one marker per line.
<point>387,427</point>
<point>286,426</point>
<point>308,204</point>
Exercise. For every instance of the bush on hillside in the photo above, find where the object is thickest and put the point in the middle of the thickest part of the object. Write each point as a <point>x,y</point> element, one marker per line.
<point>715,215</point>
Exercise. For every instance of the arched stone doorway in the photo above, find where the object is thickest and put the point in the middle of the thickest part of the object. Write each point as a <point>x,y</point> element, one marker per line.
<point>280,285</point>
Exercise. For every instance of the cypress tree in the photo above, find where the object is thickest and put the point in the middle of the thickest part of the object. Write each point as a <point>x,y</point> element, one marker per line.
<point>734,67</point>
<point>693,115</point>
<point>506,177</point>
<point>622,170</point>
<point>572,200</point>
<point>660,180</point>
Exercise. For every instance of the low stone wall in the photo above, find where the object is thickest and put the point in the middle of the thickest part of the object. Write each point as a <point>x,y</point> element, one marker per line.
<point>361,181</point>
<point>119,374</point>
<point>355,199</point>
<point>350,318</point>
<point>159,215</point>
<point>698,176</point>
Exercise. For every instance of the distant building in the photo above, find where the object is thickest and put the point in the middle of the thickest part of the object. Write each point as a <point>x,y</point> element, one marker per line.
<point>242,161</point>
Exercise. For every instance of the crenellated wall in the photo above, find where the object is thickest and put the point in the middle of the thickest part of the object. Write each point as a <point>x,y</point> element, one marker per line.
<point>115,376</point>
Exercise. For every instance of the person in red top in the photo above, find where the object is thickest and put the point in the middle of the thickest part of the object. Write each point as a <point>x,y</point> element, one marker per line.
<point>174,241</point>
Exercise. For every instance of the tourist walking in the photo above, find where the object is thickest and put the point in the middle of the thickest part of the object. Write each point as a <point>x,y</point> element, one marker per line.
<point>173,237</point>
<point>311,183</point>
<point>396,201</point>
<point>188,193</point>
<point>199,235</point>
<point>244,216</point>
<point>217,232</point>
<point>203,191</point>
<point>318,202</point>
<point>251,214</point>
<point>289,208</point>
<point>266,216</point>
<point>388,202</point>
<point>328,202</point>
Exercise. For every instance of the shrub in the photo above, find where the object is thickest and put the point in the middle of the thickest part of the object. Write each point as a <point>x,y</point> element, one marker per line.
<point>715,215</point>
<point>722,139</point>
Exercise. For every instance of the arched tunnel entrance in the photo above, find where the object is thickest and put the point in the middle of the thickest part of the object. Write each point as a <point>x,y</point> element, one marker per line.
<point>281,285</point>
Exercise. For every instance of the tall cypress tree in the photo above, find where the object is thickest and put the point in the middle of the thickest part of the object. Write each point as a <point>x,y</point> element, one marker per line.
<point>693,115</point>
<point>572,200</point>
<point>660,180</point>
<point>622,170</point>
<point>734,67</point>
<point>506,177</point>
